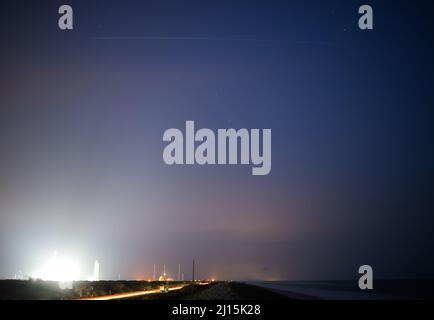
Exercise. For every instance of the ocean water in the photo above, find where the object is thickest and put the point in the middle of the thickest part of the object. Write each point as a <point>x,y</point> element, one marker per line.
<point>349,289</point>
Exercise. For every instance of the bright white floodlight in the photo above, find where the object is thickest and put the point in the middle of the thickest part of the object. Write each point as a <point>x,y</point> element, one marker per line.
<point>59,269</point>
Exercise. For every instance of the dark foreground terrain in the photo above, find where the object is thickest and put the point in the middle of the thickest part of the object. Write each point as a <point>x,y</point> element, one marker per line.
<point>49,290</point>
<point>218,291</point>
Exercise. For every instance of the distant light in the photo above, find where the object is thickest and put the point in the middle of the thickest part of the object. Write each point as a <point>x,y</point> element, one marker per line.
<point>60,269</point>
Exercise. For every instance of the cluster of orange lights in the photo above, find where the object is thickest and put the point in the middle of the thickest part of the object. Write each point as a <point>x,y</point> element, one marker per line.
<point>171,279</point>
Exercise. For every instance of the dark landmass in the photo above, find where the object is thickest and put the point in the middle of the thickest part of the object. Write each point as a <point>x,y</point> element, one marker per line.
<point>218,291</point>
<point>49,290</point>
<point>383,289</point>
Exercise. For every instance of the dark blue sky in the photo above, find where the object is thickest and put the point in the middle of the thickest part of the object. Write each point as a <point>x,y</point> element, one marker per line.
<point>82,115</point>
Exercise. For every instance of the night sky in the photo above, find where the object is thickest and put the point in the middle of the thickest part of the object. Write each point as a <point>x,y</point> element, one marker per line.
<point>83,112</point>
